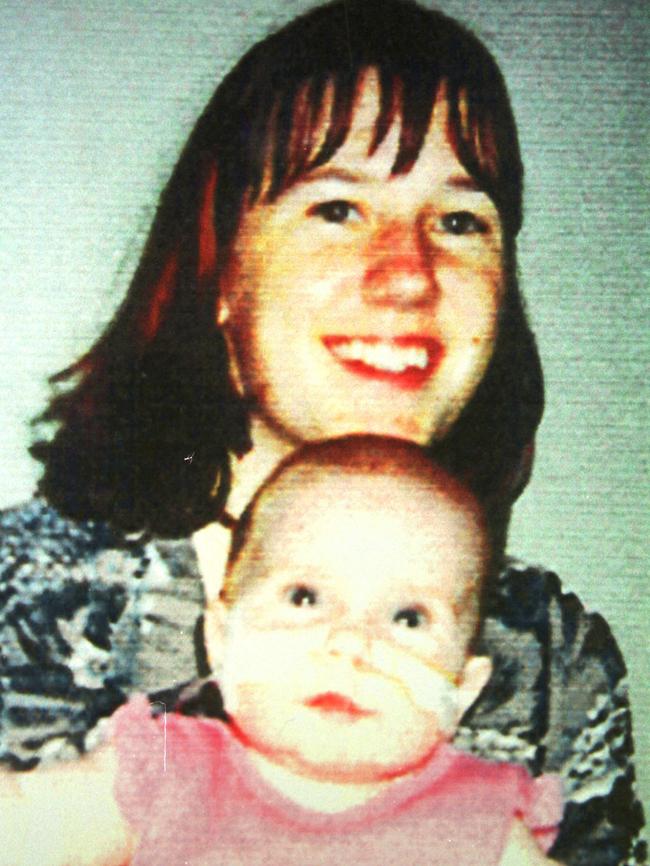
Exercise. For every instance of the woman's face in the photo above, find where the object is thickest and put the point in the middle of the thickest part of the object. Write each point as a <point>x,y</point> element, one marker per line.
<point>360,302</point>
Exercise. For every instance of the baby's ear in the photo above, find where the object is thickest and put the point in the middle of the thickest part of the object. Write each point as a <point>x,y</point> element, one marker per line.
<point>474,677</point>
<point>214,629</point>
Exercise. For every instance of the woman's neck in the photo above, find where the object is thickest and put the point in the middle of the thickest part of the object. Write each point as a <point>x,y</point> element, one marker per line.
<point>252,470</point>
<point>212,542</point>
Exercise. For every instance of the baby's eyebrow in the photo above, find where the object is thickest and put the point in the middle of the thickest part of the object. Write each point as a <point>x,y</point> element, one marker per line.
<point>461,602</point>
<point>446,607</point>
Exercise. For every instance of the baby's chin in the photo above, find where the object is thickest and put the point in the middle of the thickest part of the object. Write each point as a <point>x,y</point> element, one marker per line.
<point>349,770</point>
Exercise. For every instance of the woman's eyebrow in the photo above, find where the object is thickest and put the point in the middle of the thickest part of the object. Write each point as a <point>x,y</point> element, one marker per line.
<point>334,173</point>
<point>325,173</point>
<point>330,172</point>
<point>463,181</point>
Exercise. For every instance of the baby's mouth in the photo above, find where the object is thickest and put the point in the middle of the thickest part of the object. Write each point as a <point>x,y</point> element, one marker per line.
<point>337,704</point>
<point>406,361</point>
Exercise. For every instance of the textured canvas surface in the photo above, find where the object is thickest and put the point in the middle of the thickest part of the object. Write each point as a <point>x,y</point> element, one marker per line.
<point>96,101</point>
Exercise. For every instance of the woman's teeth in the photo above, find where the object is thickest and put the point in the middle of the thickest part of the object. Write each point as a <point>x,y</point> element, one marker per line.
<point>382,355</point>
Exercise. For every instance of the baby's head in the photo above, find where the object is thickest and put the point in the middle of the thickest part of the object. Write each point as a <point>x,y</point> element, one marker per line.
<point>342,638</point>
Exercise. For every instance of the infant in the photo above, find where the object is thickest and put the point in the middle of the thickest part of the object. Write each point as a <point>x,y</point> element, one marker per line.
<point>342,645</point>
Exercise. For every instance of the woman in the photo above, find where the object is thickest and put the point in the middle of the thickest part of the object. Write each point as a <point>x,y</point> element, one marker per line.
<point>334,253</point>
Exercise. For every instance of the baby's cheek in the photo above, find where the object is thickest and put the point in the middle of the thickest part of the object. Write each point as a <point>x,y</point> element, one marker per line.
<point>259,656</point>
<point>429,687</point>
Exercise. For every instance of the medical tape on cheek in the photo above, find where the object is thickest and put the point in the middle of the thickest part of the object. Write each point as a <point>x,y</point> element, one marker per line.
<point>429,686</point>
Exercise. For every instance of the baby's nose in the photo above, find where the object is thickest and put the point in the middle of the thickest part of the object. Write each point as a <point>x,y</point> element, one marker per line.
<point>351,643</point>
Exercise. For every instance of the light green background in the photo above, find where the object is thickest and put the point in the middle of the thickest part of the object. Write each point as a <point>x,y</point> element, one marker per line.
<point>98,97</point>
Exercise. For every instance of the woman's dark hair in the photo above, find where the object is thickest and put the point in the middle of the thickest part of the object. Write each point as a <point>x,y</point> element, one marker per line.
<point>150,419</point>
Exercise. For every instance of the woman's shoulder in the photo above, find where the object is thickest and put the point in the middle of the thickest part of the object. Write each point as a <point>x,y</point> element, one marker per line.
<point>557,702</point>
<point>52,566</point>
<point>530,586</point>
<point>39,545</point>
<point>558,675</point>
<point>532,598</point>
<point>35,536</point>
<point>533,625</point>
<point>87,615</point>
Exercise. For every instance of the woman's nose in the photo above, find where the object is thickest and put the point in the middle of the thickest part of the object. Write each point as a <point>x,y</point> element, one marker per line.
<point>399,270</point>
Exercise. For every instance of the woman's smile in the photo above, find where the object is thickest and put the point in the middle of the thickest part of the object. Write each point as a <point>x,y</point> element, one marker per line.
<point>407,361</point>
<point>360,301</point>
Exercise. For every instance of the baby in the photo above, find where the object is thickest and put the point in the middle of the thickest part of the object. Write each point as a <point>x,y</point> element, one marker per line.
<point>342,644</point>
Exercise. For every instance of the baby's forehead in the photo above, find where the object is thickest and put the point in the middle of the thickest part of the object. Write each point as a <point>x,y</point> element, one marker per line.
<point>310,488</point>
<point>311,511</point>
<point>366,534</point>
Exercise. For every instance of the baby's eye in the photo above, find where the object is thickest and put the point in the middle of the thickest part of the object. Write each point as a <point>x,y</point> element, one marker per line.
<point>411,617</point>
<point>337,210</point>
<point>302,596</point>
<point>463,222</point>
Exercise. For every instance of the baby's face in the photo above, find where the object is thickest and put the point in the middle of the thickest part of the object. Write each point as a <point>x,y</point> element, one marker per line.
<point>344,656</point>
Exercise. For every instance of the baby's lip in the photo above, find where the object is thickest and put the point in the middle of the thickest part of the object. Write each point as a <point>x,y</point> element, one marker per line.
<point>333,702</point>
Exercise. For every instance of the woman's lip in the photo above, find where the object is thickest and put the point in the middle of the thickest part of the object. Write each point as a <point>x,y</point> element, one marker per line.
<point>333,702</point>
<point>406,361</point>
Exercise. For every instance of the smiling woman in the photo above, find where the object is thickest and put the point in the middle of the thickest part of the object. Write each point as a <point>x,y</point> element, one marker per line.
<point>244,228</point>
<point>389,312</point>
<point>333,254</point>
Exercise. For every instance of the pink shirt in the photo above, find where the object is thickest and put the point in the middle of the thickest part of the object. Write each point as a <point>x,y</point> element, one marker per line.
<point>188,787</point>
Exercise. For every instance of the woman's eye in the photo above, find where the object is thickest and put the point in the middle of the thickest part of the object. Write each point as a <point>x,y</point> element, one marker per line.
<point>463,222</point>
<point>302,596</point>
<point>410,617</point>
<point>336,211</point>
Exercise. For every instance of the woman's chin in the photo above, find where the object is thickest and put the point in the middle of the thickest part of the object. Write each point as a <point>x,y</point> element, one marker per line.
<point>407,428</point>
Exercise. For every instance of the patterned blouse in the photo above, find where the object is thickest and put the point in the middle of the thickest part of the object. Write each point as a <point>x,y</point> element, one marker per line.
<point>89,616</point>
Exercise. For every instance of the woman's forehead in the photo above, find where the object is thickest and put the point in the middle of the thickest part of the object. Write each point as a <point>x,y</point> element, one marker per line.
<point>328,124</point>
<point>361,142</point>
